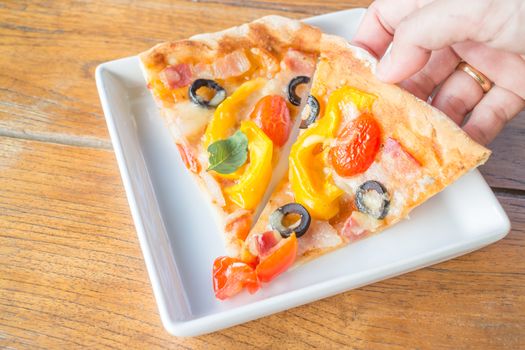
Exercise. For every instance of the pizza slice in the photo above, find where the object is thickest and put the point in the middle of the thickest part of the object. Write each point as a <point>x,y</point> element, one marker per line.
<point>230,100</point>
<point>368,153</point>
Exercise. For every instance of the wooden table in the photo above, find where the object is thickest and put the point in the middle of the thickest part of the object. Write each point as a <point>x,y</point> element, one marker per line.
<point>72,273</point>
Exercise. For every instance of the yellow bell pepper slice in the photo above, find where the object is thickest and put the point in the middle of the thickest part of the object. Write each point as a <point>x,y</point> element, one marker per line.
<point>251,185</point>
<point>329,124</point>
<point>311,185</point>
<point>225,119</point>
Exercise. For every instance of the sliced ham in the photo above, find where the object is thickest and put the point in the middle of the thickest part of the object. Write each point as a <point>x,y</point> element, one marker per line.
<point>262,244</point>
<point>394,148</point>
<point>203,71</point>
<point>231,65</point>
<point>299,63</point>
<point>398,162</point>
<point>352,230</point>
<point>359,225</point>
<point>182,74</point>
<point>266,241</point>
<point>177,76</point>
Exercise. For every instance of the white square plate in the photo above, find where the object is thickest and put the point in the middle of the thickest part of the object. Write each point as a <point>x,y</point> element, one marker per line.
<point>179,240</point>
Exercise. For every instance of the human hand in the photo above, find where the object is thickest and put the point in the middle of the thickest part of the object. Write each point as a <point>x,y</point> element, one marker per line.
<point>430,37</point>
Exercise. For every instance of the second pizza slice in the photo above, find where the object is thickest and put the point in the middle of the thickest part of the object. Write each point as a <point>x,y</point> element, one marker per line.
<point>369,152</point>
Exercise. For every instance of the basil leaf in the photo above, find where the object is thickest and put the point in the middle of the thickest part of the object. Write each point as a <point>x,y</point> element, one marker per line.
<point>226,156</point>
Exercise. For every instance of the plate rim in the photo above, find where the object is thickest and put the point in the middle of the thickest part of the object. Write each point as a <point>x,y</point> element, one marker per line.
<point>209,323</point>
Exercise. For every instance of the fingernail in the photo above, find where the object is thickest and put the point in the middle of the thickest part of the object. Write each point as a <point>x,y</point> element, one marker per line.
<point>383,68</point>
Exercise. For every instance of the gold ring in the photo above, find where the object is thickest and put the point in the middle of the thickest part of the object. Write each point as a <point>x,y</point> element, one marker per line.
<point>479,77</point>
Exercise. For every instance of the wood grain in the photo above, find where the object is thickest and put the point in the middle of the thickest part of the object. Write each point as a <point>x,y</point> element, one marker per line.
<point>506,167</point>
<point>72,276</point>
<point>71,270</point>
<point>308,7</point>
<point>53,91</point>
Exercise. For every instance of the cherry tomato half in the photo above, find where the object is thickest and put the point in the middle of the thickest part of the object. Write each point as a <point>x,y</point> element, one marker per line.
<point>271,114</point>
<point>357,146</point>
<point>279,260</point>
<point>231,275</point>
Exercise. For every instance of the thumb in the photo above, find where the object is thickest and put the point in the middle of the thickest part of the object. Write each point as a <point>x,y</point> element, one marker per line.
<point>401,62</point>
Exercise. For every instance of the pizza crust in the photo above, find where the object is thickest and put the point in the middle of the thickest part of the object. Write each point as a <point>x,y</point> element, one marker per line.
<point>273,33</point>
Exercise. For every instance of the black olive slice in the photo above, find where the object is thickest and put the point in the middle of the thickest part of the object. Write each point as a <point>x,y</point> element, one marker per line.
<point>300,227</point>
<point>376,206</point>
<point>314,112</point>
<point>220,93</point>
<point>292,95</point>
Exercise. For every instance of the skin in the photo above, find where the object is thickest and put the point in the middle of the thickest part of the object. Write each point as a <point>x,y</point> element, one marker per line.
<point>430,37</point>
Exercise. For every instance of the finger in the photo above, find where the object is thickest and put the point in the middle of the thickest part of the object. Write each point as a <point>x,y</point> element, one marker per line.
<point>496,108</point>
<point>441,64</point>
<point>458,95</point>
<point>505,69</point>
<point>432,27</point>
<point>374,33</point>
<point>376,30</point>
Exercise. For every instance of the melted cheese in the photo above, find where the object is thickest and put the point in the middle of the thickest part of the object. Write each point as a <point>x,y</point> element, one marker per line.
<point>374,201</point>
<point>320,235</point>
<point>375,172</point>
<point>188,119</point>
